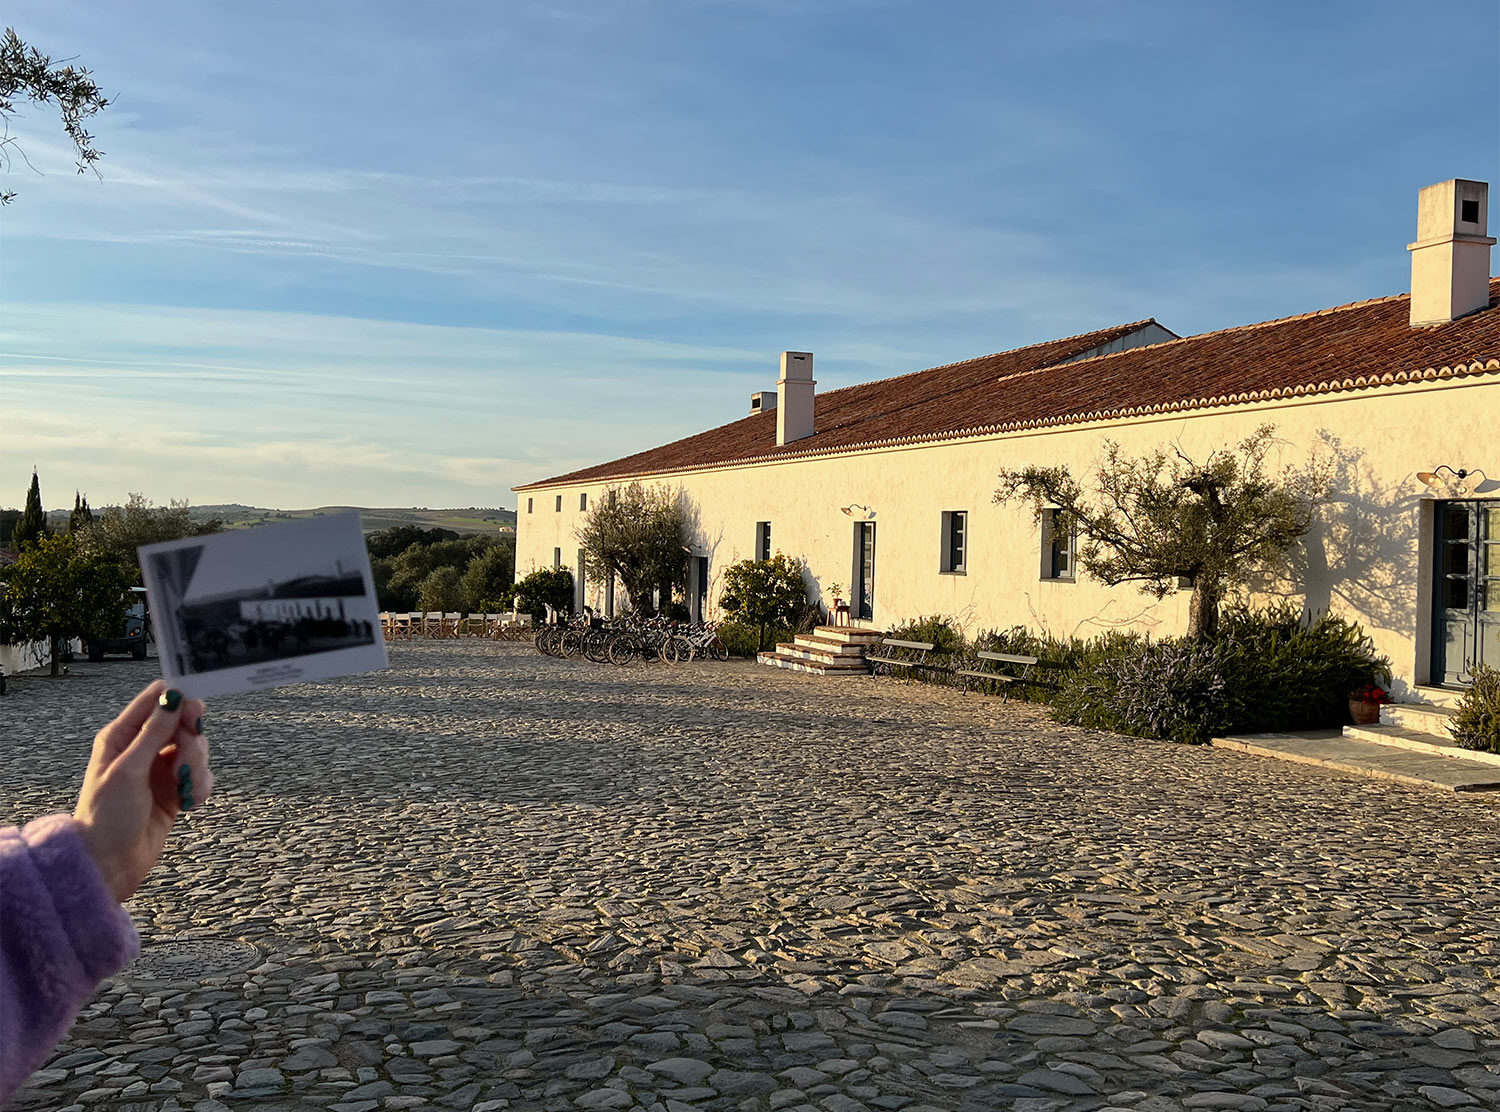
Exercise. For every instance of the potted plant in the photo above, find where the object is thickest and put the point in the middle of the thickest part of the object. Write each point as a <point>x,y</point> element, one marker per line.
<point>1365,702</point>
<point>837,607</point>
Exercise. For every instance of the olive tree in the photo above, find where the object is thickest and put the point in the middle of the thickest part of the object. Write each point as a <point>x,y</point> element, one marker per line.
<point>639,534</point>
<point>1163,518</point>
<point>117,531</point>
<point>28,74</point>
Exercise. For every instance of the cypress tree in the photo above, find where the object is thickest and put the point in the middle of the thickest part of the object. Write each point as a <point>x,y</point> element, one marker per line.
<point>33,524</point>
<point>81,517</point>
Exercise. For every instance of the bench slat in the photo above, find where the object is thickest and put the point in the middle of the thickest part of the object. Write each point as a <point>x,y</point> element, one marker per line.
<point>894,643</point>
<point>996,676</point>
<point>1008,658</point>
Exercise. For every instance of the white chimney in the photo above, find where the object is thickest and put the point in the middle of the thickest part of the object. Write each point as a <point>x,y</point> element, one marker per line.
<point>794,397</point>
<point>1450,262</point>
<point>762,401</point>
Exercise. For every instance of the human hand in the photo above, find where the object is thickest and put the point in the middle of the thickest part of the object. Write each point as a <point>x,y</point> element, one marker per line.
<point>136,784</point>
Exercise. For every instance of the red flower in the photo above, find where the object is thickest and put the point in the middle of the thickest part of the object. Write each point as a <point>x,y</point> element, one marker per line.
<point>1370,693</point>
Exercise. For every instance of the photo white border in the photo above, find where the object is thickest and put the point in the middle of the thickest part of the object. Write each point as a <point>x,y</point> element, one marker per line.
<point>337,529</point>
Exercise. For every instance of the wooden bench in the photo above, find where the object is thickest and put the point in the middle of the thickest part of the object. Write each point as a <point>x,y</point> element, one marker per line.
<point>906,658</point>
<point>1021,669</point>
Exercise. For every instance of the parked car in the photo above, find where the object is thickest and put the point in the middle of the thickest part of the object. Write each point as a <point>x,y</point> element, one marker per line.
<point>134,633</point>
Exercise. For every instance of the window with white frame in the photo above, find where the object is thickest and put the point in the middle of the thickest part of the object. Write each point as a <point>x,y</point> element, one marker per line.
<point>955,541</point>
<point>557,557</point>
<point>583,501</point>
<point>559,504</point>
<point>1059,546</point>
<point>528,505</point>
<point>762,540</point>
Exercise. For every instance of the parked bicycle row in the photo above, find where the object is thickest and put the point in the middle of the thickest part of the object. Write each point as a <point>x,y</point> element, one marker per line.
<point>622,642</point>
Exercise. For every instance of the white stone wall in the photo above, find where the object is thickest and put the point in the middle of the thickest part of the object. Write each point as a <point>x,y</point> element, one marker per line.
<point>23,657</point>
<point>1369,556</point>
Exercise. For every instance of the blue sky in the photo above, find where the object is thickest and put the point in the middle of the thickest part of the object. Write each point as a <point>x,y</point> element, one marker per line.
<point>414,254</point>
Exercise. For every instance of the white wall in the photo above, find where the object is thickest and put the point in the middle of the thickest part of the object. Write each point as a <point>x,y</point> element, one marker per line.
<point>1365,558</point>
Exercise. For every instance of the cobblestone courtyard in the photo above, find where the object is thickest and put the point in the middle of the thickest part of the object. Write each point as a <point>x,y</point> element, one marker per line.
<point>491,880</point>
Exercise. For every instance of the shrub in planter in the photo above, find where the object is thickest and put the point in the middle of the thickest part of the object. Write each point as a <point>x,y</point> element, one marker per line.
<point>1476,721</point>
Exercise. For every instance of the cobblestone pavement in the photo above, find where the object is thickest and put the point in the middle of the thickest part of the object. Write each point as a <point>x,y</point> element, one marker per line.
<point>489,880</point>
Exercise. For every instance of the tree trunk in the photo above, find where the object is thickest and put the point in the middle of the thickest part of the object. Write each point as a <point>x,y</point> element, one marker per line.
<point>56,643</point>
<point>1203,609</point>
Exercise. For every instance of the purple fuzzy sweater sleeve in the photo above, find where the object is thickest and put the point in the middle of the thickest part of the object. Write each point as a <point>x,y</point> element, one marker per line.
<point>61,934</point>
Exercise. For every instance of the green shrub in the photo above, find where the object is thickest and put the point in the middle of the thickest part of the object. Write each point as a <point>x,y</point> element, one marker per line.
<point>1287,670</point>
<point>769,594</point>
<point>543,586</point>
<point>949,648</point>
<point>946,638</point>
<point>744,640</point>
<point>1172,689</point>
<point>1476,722</point>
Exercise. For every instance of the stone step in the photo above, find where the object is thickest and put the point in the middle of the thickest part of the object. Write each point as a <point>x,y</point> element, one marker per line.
<point>1360,757</point>
<point>859,634</point>
<point>1440,696</point>
<point>813,667</point>
<point>821,656</point>
<point>1415,716</point>
<point>1417,741</point>
<point>828,644</point>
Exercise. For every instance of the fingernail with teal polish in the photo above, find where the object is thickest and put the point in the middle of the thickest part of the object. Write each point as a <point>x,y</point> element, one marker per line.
<point>170,699</point>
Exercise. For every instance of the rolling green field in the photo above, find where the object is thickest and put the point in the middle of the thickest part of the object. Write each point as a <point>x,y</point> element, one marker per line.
<point>471,520</point>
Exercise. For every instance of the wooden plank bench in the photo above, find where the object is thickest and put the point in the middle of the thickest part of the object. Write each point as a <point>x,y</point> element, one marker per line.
<point>1021,669</point>
<point>906,658</point>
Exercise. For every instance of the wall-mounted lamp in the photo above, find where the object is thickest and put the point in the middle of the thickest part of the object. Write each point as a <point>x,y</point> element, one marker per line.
<point>864,511</point>
<point>1451,480</point>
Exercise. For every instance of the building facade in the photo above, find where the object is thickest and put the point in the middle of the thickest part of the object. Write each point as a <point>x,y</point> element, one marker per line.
<point>887,490</point>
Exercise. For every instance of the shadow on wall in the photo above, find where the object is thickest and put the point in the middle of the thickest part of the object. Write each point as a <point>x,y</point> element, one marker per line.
<point>1360,557</point>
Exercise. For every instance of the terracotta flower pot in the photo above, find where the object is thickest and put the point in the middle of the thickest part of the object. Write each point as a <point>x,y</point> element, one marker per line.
<point>1363,713</point>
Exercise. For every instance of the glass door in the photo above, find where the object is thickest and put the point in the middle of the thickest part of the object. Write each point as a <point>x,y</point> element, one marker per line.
<point>1466,626</point>
<point>864,570</point>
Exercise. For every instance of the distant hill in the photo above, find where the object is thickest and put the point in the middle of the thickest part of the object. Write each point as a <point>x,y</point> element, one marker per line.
<point>474,519</point>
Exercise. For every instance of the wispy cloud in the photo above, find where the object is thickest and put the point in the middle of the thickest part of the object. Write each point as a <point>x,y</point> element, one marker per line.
<point>442,249</point>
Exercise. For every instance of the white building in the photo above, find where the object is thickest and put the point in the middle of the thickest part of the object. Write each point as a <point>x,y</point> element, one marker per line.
<point>886,489</point>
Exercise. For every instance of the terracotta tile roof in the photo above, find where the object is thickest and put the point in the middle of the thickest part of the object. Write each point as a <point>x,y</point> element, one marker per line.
<point>1365,344</point>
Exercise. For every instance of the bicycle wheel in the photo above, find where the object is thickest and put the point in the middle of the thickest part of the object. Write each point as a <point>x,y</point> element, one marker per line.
<point>572,643</point>
<point>718,650</point>
<point>622,649</point>
<point>596,646</point>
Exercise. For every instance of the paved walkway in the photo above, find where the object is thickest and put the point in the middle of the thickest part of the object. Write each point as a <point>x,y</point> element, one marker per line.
<point>489,880</point>
<point>1330,749</point>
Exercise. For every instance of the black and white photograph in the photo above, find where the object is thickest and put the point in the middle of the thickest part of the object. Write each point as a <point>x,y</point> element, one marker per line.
<point>260,607</point>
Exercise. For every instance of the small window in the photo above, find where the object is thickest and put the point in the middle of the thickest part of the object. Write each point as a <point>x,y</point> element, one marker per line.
<point>559,503</point>
<point>1469,212</point>
<point>557,557</point>
<point>614,497</point>
<point>1058,546</point>
<point>528,505</point>
<point>955,542</point>
<point>762,540</point>
<point>583,501</point>
<point>1184,582</point>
